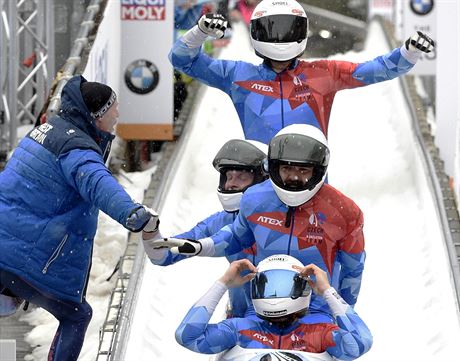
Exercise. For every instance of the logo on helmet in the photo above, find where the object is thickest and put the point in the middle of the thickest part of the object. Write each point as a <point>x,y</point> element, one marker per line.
<point>275,313</point>
<point>277,258</point>
<point>259,14</point>
<point>297,12</point>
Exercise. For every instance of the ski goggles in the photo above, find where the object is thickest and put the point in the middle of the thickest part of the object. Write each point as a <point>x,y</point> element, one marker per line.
<point>279,283</point>
<point>279,29</point>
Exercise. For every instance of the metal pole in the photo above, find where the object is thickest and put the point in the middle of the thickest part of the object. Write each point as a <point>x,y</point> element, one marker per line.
<point>3,128</point>
<point>49,40</point>
<point>12,75</point>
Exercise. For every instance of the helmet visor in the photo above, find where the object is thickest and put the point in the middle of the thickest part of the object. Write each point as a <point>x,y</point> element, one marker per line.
<point>279,284</point>
<point>236,179</point>
<point>279,29</point>
<point>298,148</point>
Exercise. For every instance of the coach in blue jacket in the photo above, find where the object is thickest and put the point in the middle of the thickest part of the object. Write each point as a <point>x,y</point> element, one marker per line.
<point>50,194</point>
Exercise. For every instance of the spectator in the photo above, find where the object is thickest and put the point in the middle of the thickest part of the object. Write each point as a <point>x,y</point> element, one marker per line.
<point>50,194</point>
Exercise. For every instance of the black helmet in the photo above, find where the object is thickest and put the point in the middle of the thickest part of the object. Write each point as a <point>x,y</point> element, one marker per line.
<point>299,145</point>
<point>239,154</point>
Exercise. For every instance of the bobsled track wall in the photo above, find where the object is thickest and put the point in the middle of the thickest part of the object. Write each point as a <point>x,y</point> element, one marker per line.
<point>411,275</point>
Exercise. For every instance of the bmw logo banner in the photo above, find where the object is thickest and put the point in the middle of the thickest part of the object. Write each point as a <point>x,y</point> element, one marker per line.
<point>141,76</point>
<point>420,15</point>
<point>146,92</point>
<point>421,7</point>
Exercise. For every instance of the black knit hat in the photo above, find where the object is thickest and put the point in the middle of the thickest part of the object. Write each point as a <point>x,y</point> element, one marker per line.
<point>97,97</point>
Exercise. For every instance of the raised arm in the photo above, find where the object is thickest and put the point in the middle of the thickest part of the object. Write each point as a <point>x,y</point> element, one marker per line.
<point>397,62</point>
<point>195,332</point>
<point>187,56</point>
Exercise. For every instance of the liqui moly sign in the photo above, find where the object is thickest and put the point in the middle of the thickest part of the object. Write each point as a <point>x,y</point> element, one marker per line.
<point>143,9</point>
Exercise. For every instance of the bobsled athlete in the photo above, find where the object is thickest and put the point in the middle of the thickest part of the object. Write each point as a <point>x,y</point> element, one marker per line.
<point>281,288</point>
<point>239,163</point>
<point>294,213</point>
<point>284,90</point>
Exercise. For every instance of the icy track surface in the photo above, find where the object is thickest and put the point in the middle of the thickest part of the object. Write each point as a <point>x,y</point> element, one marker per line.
<point>406,296</point>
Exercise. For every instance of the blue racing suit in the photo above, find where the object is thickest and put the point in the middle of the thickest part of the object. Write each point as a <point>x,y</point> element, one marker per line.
<point>346,339</point>
<point>327,231</point>
<point>267,101</point>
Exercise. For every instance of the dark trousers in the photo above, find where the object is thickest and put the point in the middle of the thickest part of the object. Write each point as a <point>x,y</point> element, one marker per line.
<point>73,317</point>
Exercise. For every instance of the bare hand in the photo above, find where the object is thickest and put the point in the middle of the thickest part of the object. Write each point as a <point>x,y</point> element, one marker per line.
<point>321,284</point>
<point>232,277</point>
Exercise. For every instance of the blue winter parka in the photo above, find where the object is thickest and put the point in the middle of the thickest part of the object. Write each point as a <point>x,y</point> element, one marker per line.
<point>50,194</point>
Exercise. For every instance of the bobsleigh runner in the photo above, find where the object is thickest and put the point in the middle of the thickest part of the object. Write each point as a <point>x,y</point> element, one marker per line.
<point>238,353</point>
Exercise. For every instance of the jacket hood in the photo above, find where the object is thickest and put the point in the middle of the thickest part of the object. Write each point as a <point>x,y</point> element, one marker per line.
<point>74,110</point>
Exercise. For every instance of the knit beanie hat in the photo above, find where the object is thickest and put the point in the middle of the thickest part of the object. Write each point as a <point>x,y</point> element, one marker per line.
<point>97,97</point>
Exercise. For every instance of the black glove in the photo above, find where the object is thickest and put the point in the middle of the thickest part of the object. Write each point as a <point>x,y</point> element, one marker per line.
<point>143,219</point>
<point>187,247</point>
<point>420,42</point>
<point>213,25</point>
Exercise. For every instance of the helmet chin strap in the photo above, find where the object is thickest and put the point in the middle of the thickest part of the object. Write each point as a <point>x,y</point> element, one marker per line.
<point>268,61</point>
<point>286,321</point>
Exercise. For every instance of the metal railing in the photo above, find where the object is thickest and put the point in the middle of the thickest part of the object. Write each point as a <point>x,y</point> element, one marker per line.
<point>447,208</point>
<point>27,60</point>
<point>74,61</point>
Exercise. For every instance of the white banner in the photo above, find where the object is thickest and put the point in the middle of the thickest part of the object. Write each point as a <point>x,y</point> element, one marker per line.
<point>146,112</point>
<point>447,135</point>
<point>104,58</point>
<point>421,15</point>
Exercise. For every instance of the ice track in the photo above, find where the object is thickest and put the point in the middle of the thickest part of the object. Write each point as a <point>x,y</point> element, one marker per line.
<point>407,297</point>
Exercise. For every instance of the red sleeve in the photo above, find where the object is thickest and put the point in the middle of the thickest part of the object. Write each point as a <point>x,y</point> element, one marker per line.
<point>341,73</point>
<point>353,242</point>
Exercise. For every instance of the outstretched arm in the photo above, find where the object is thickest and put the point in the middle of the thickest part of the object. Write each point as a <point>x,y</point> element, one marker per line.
<point>195,332</point>
<point>397,62</point>
<point>203,229</point>
<point>229,240</point>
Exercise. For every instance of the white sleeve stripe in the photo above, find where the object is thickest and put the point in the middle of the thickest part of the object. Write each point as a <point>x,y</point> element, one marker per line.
<point>194,38</point>
<point>207,247</point>
<point>336,303</point>
<point>211,298</point>
<point>410,55</point>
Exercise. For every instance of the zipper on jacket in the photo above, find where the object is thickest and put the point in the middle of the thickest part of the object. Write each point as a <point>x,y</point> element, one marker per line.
<point>279,338</point>
<point>290,220</point>
<point>55,254</point>
<point>282,105</point>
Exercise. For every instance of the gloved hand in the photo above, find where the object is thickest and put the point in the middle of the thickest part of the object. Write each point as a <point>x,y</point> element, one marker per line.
<point>186,247</point>
<point>420,42</point>
<point>143,219</point>
<point>213,25</point>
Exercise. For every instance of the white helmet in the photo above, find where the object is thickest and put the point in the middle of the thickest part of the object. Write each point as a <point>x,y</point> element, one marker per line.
<point>277,290</point>
<point>300,145</point>
<point>279,30</point>
<point>239,154</point>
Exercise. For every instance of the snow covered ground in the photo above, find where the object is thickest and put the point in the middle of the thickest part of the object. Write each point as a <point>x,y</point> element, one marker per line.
<point>406,297</point>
